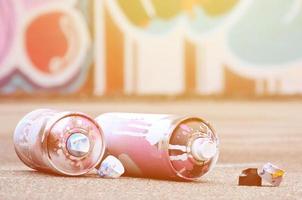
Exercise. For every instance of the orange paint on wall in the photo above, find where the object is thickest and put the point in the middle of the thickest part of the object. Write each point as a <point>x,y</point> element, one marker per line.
<point>190,67</point>
<point>236,85</point>
<point>114,57</point>
<point>45,40</point>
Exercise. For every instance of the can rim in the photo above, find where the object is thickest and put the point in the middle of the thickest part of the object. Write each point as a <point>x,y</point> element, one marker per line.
<point>180,120</point>
<point>50,124</point>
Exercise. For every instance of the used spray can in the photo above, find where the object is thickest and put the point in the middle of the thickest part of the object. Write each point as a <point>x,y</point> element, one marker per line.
<point>161,146</point>
<point>66,143</point>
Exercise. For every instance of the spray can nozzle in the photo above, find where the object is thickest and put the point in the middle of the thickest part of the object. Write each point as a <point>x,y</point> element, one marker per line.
<point>203,149</point>
<point>78,144</point>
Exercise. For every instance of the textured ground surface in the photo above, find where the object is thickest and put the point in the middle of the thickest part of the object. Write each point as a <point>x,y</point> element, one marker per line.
<point>251,134</point>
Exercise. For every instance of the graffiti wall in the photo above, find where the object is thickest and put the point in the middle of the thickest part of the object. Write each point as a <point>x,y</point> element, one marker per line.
<point>45,46</point>
<point>151,47</point>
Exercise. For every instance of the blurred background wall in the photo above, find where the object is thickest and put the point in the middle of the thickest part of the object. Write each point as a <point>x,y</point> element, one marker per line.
<point>151,47</point>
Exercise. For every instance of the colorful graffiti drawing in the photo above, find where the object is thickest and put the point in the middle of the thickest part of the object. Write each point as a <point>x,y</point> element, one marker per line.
<point>265,44</point>
<point>176,47</point>
<point>151,47</point>
<point>146,27</point>
<point>7,35</point>
<point>50,49</point>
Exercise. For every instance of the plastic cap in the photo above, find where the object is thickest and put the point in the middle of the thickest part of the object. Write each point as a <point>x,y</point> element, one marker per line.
<point>111,167</point>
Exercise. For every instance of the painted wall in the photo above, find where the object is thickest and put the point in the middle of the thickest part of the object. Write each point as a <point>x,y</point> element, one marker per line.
<point>151,47</point>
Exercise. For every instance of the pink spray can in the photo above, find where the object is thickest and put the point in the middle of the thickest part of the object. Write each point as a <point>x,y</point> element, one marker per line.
<point>161,146</point>
<point>66,143</point>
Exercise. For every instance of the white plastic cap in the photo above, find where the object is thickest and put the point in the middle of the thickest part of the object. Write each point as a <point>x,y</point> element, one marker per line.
<point>111,167</point>
<point>272,174</point>
<point>203,149</point>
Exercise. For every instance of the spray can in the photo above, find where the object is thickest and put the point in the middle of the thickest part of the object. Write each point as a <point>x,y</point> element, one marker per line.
<point>66,143</point>
<point>161,146</point>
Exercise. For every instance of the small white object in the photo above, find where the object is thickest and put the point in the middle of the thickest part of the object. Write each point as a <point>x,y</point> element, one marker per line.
<point>203,149</point>
<point>272,174</point>
<point>111,167</point>
<point>78,144</point>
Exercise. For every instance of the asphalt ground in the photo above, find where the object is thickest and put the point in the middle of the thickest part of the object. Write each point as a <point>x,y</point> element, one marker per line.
<point>251,134</point>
